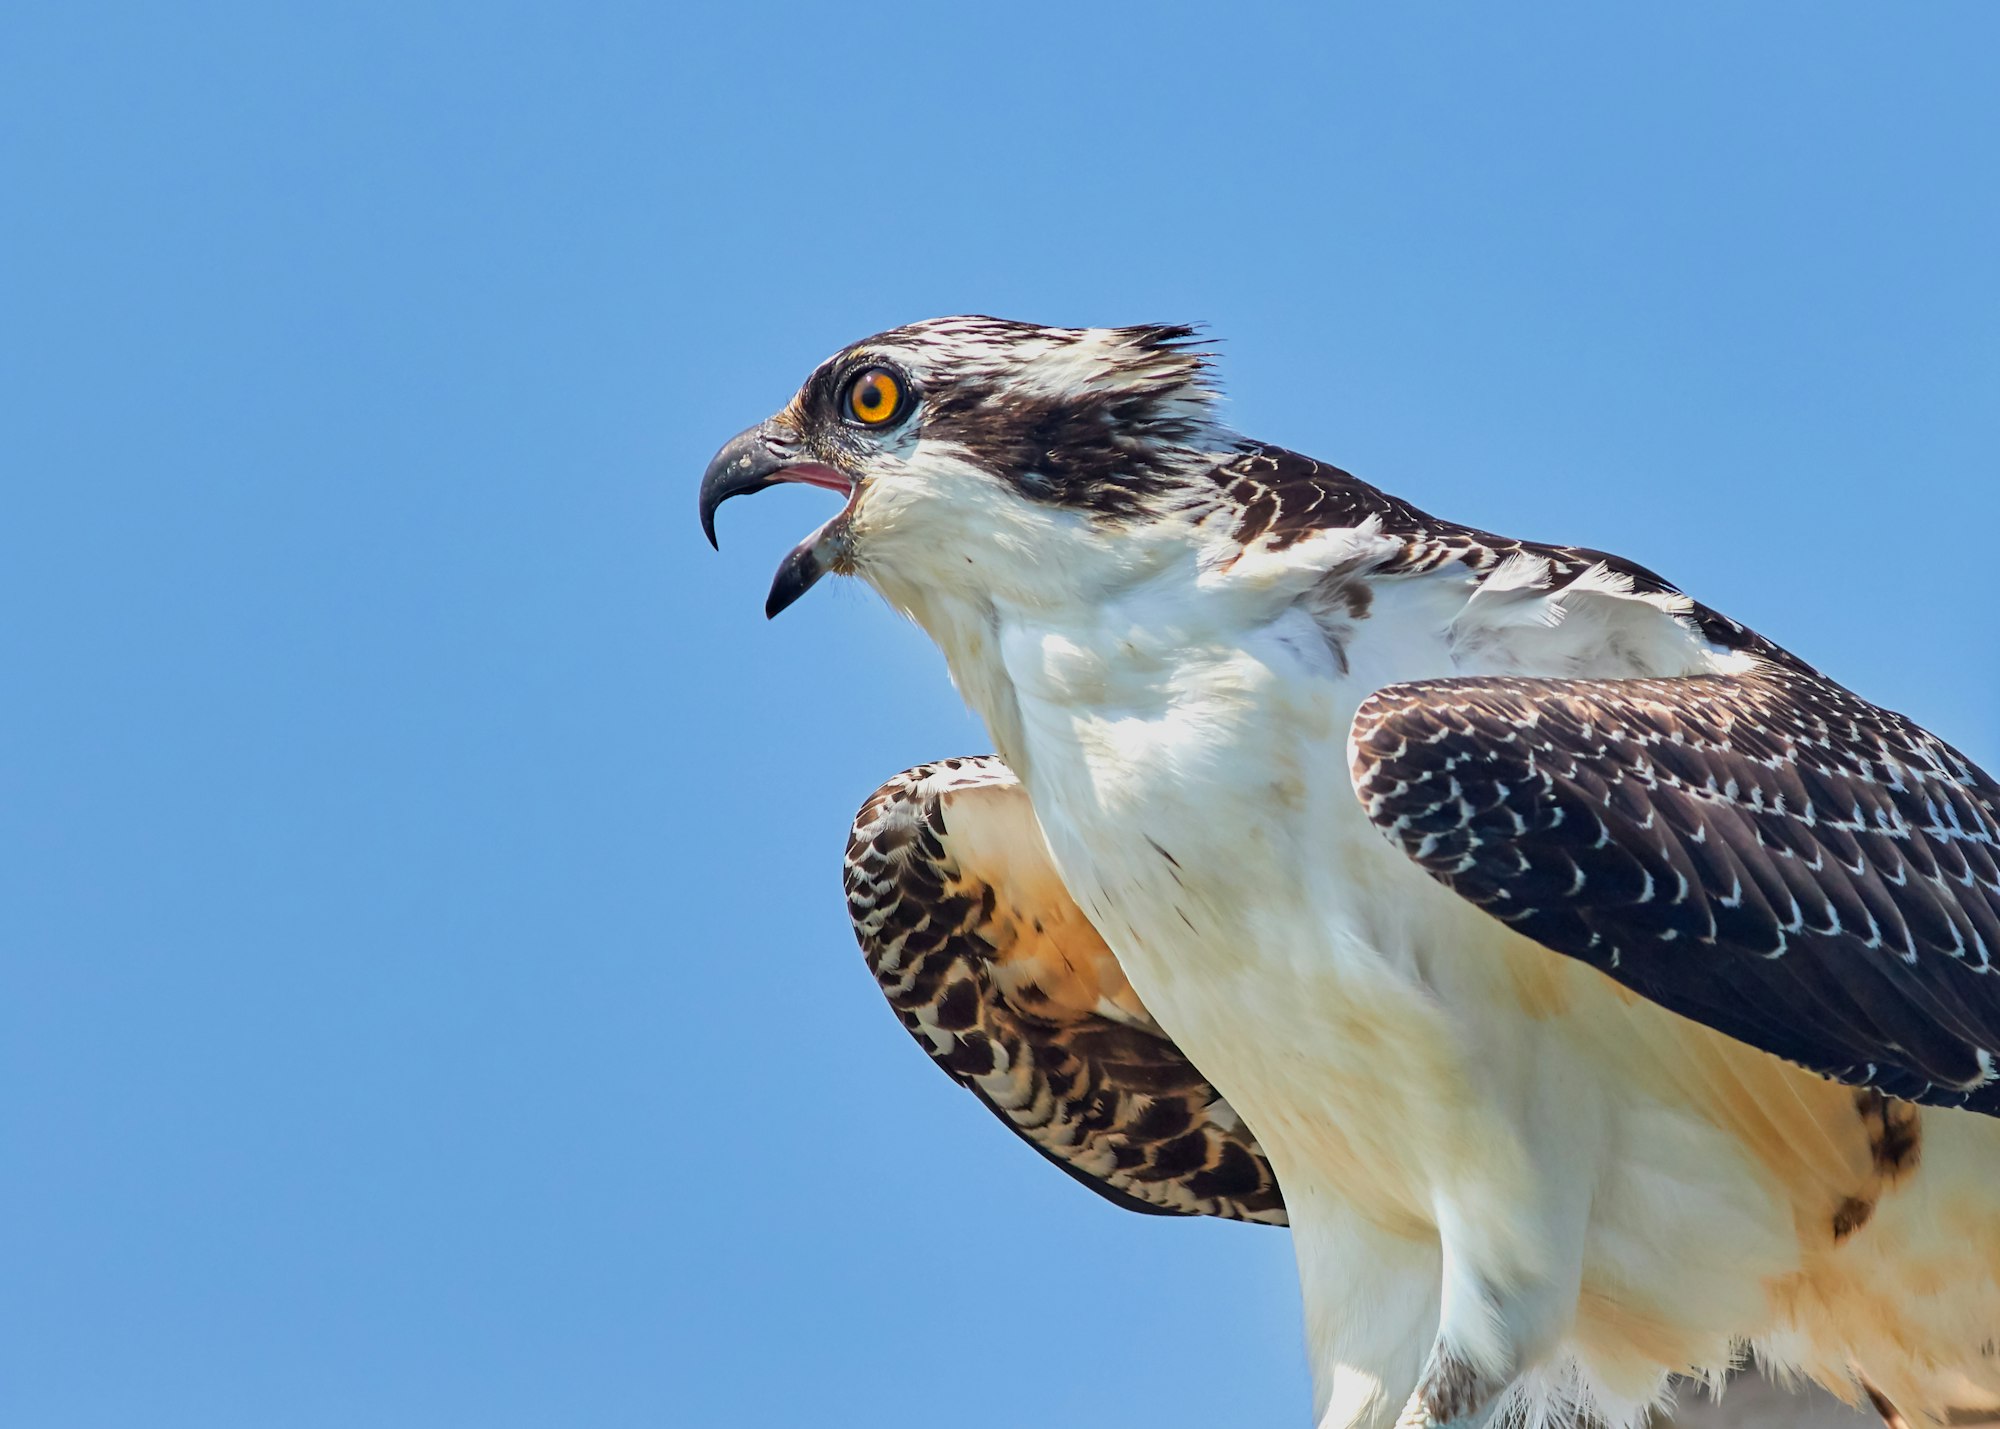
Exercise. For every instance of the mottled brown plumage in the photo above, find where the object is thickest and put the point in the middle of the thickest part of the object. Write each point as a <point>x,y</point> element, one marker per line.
<point>1002,980</point>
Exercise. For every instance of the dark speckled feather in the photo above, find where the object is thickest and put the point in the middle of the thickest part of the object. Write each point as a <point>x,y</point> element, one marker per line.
<point>1768,854</point>
<point>1108,1098</point>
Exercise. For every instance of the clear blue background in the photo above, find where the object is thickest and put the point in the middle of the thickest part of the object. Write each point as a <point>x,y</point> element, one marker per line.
<point>426,995</point>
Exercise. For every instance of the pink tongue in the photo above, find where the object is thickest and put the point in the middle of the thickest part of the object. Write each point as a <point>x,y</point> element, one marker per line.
<point>813,474</point>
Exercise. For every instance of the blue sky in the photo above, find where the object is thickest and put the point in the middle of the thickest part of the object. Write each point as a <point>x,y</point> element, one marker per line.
<point>426,995</point>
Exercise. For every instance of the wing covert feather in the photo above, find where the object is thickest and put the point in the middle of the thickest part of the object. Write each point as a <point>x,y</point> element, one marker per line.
<point>1767,853</point>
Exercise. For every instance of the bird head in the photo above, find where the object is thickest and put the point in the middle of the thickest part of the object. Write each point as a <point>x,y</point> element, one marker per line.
<point>975,452</point>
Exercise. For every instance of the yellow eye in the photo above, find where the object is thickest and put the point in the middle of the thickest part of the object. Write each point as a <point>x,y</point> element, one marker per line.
<point>874,397</point>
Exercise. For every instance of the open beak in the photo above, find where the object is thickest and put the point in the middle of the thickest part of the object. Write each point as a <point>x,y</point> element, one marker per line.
<point>759,458</point>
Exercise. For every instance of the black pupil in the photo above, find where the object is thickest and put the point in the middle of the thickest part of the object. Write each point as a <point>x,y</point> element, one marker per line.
<point>871,393</point>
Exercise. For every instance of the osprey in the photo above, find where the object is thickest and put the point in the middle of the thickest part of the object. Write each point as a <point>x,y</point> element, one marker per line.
<point>1608,991</point>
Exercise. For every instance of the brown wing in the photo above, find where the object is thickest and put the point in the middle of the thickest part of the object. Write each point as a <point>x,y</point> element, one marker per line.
<point>1000,977</point>
<point>1768,854</point>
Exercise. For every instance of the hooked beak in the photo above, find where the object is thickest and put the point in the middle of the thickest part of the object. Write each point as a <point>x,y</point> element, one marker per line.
<point>750,462</point>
